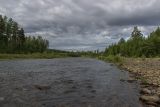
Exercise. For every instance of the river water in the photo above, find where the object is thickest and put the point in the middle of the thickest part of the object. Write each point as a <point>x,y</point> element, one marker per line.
<point>65,82</point>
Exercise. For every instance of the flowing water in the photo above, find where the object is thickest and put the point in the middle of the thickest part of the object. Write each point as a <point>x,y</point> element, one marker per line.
<point>65,82</point>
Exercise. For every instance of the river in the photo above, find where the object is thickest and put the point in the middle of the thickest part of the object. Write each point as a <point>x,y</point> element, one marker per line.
<point>65,82</point>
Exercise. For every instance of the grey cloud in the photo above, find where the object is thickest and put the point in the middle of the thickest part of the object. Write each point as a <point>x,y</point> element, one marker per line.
<point>72,24</point>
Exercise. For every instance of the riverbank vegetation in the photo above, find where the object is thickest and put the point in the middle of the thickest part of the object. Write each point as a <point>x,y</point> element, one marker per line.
<point>33,56</point>
<point>13,39</point>
<point>137,45</point>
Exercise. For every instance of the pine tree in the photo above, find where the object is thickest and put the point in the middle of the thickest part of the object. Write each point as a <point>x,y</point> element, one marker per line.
<point>136,33</point>
<point>137,45</point>
<point>13,39</point>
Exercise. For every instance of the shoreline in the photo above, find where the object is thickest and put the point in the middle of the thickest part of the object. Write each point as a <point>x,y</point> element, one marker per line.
<point>147,71</point>
<point>35,56</point>
<point>144,70</point>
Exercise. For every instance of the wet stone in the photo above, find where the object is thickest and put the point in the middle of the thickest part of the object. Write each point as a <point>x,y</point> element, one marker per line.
<point>93,91</point>
<point>74,87</point>
<point>89,86</point>
<point>68,91</point>
<point>131,80</point>
<point>1,99</point>
<point>42,87</point>
<point>69,81</point>
<point>122,80</point>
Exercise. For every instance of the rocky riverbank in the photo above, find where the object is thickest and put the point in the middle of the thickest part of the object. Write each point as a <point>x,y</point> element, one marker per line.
<point>147,71</point>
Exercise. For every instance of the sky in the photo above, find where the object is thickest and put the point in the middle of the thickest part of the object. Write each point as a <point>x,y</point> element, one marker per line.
<point>83,24</point>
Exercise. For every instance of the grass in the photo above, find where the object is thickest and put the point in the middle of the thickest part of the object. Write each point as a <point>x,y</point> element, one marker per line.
<point>49,55</point>
<point>143,80</point>
<point>36,56</point>
<point>111,58</point>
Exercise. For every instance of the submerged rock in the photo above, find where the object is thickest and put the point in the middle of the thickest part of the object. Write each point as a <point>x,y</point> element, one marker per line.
<point>42,87</point>
<point>1,98</point>
<point>122,80</point>
<point>131,80</point>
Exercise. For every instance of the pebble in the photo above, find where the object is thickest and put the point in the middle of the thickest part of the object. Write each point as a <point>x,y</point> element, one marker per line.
<point>152,104</point>
<point>158,91</point>
<point>146,91</point>
<point>150,98</point>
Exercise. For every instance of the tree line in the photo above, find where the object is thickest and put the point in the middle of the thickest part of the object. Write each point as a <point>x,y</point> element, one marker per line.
<point>137,45</point>
<point>13,39</point>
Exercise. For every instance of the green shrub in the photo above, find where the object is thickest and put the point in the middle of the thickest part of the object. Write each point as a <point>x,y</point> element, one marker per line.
<point>143,57</point>
<point>115,59</point>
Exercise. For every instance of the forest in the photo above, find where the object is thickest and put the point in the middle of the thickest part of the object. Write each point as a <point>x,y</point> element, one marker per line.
<point>13,39</point>
<point>137,45</point>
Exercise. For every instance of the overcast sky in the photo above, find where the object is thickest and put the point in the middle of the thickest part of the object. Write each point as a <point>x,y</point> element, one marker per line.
<point>83,24</point>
